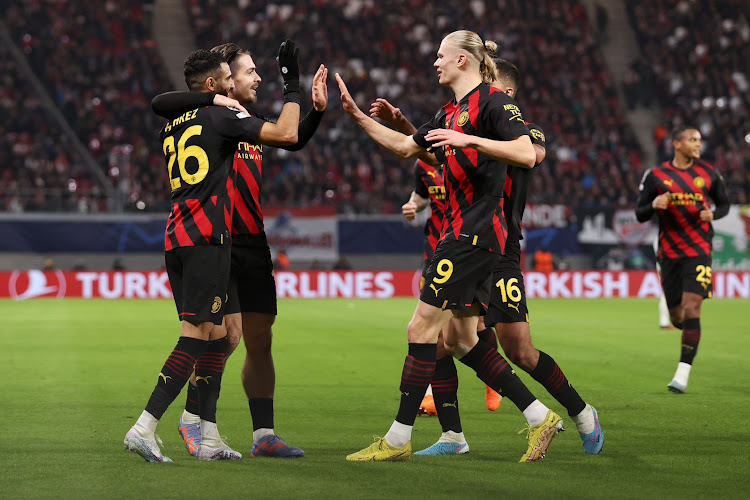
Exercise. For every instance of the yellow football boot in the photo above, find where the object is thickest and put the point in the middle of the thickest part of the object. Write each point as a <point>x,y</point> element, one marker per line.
<point>541,436</point>
<point>381,451</point>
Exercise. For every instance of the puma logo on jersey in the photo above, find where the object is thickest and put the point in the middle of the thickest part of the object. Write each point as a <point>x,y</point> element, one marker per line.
<point>514,307</point>
<point>431,174</point>
<point>437,290</point>
<point>165,377</point>
<point>668,184</point>
<point>206,379</point>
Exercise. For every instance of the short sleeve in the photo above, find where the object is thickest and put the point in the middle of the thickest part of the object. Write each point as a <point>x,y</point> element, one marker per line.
<point>537,135</point>
<point>503,116</point>
<point>234,124</point>
<point>436,122</point>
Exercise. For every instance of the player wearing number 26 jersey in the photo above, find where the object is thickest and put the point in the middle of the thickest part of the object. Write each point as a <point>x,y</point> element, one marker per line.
<point>198,147</point>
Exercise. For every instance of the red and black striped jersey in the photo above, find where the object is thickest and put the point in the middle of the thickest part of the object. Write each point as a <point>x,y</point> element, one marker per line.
<point>681,232</point>
<point>473,181</point>
<point>516,188</point>
<point>428,183</point>
<point>245,184</point>
<point>199,147</point>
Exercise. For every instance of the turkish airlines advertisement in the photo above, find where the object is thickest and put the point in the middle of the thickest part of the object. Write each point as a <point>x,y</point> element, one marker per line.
<point>21,285</point>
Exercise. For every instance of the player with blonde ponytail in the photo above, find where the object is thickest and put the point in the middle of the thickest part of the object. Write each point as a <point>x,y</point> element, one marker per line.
<point>474,137</point>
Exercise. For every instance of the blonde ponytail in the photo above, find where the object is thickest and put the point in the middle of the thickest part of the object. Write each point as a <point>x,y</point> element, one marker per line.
<point>481,51</point>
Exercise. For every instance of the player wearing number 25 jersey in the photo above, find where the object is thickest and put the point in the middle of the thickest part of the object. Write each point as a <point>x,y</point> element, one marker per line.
<point>678,192</point>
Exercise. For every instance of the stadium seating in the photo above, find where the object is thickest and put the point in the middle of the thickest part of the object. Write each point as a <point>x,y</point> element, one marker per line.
<point>566,89</point>
<point>698,55</point>
<point>38,169</point>
<point>102,69</point>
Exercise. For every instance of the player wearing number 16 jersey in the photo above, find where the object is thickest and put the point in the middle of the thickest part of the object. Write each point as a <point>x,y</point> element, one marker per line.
<point>508,311</point>
<point>199,147</point>
<point>678,192</point>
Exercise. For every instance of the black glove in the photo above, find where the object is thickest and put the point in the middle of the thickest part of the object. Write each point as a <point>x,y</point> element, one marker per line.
<point>289,68</point>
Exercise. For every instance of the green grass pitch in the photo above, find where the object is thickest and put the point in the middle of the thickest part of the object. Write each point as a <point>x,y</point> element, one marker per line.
<point>76,374</point>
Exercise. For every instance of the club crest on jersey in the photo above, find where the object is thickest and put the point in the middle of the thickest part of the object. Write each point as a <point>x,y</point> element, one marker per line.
<point>463,118</point>
<point>699,182</point>
<point>216,305</point>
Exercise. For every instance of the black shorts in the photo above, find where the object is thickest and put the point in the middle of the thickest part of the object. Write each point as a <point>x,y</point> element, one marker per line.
<point>252,287</point>
<point>199,276</point>
<point>508,293</point>
<point>458,275</point>
<point>690,274</point>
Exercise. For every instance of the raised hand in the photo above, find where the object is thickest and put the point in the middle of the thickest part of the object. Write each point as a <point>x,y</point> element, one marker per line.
<point>288,60</point>
<point>385,111</point>
<point>346,99</point>
<point>320,89</point>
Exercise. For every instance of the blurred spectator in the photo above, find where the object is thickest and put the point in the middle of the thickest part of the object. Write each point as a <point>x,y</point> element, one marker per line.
<point>544,261</point>
<point>118,265</point>
<point>49,265</point>
<point>281,263</point>
<point>342,264</point>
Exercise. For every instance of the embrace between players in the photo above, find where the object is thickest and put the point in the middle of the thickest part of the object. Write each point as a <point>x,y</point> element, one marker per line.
<point>220,269</point>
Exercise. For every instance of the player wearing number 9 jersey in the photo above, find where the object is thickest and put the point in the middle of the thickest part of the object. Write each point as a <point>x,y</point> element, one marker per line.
<point>678,192</point>
<point>199,148</point>
<point>474,232</point>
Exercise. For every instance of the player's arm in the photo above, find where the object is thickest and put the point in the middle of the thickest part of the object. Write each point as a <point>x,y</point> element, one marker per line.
<point>172,104</point>
<point>649,200</point>
<point>720,198</point>
<point>284,131</point>
<point>399,144</point>
<point>415,204</point>
<point>518,152</point>
<point>392,115</point>
<point>539,142</point>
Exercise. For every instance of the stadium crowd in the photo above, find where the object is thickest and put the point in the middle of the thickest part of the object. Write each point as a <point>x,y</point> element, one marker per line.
<point>698,55</point>
<point>101,67</point>
<point>592,157</point>
<point>39,170</point>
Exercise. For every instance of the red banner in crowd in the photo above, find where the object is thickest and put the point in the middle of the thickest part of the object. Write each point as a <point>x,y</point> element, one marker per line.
<point>30,284</point>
